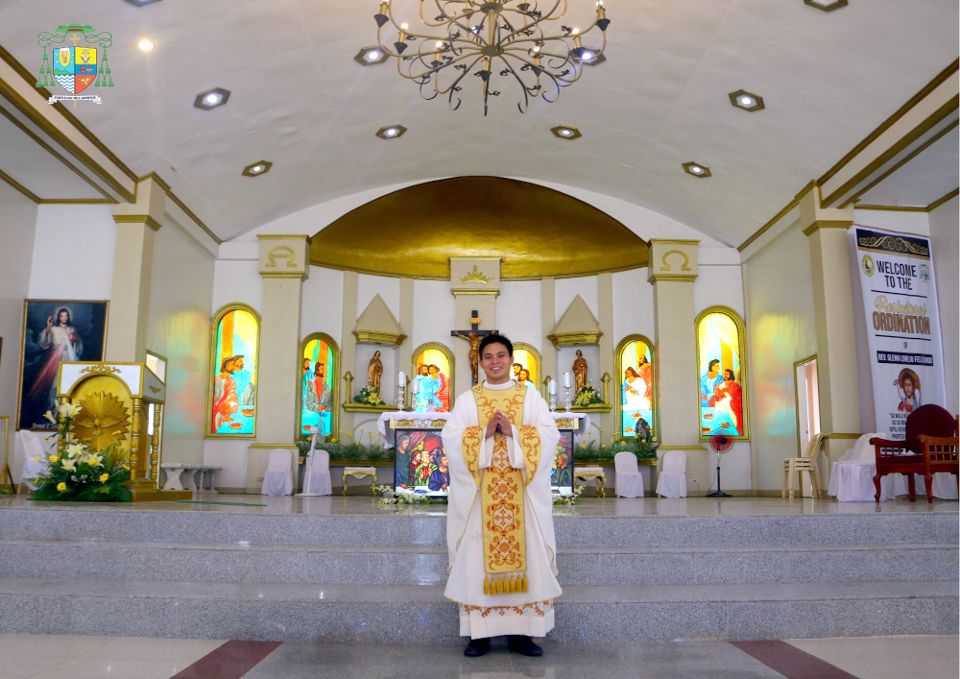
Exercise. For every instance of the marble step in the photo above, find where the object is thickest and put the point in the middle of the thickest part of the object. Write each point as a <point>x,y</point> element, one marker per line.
<point>425,565</point>
<point>427,528</point>
<point>420,615</point>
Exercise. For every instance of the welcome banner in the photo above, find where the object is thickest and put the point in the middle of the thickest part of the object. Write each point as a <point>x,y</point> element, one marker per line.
<point>902,324</point>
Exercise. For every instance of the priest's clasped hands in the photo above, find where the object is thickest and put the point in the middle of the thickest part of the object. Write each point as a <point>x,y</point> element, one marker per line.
<point>499,423</point>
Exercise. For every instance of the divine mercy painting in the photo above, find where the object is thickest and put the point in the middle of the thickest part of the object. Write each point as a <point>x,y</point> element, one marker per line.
<point>55,331</point>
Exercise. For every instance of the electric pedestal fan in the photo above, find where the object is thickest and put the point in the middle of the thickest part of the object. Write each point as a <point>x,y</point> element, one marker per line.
<point>720,443</point>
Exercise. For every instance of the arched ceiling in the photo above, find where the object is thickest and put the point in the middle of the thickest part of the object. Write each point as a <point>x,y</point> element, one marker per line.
<point>299,100</point>
<point>538,232</point>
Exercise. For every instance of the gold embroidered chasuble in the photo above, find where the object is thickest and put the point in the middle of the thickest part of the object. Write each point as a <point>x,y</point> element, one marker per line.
<point>502,488</point>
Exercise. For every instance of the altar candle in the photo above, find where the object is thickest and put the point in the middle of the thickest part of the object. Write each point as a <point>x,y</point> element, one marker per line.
<point>566,380</point>
<point>553,387</point>
<point>401,379</point>
<point>415,386</point>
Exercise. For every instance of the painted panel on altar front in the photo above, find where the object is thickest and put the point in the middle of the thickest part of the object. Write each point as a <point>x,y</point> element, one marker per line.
<point>420,465</point>
<point>432,381</point>
<point>561,475</point>
<point>55,331</point>
<point>635,361</point>
<point>720,360</point>
<point>234,364</point>
<point>319,360</point>
<point>526,365</point>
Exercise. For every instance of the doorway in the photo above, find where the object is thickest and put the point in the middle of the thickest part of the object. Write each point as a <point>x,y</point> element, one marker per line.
<point>808,400</point>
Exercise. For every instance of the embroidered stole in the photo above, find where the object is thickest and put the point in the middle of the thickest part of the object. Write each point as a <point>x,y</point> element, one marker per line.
<point>502,488</point>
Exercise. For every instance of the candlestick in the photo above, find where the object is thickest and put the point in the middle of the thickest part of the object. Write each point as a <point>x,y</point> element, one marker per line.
<point>552,388</point>
<point>566,380</point>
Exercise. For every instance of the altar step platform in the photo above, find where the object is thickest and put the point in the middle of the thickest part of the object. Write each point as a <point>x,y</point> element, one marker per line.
<point>345,569</point>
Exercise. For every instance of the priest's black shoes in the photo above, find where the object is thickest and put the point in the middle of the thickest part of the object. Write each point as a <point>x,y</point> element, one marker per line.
<point>477,647</point>
<point>518,643</point>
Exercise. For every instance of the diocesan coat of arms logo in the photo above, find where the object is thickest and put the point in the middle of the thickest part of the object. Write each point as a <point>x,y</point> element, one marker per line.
<point>80,63</point>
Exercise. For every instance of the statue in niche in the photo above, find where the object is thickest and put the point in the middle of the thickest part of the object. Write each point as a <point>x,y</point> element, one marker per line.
<point>374,372</point>
<point>580,371</point>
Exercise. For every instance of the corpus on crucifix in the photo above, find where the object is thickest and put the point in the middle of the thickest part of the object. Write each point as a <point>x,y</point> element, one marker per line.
<point>473,335</point>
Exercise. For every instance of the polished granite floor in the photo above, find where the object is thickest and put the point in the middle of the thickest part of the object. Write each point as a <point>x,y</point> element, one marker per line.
<point>586,506</point>
<point>74,657</point>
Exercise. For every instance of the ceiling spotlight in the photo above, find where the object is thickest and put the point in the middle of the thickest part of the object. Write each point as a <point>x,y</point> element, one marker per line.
<point>564,132</point>
<point>748,101</point>
<point>141,3</point>
<point>212,98</point>
<point>368,56</point>
<point>391,132</point>
<point>696,169</point>
<point>826,5</point>
<point>146,45</point>
<point>256,169</point>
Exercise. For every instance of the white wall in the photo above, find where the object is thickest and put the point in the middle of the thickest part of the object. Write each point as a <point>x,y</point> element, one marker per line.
<point>781,329</point>
<point>945,233</point>
<point>178,327</point>
<point>73,253</point>
<point>18,216</point>
<point>632,305</point>
<point>320,304</point>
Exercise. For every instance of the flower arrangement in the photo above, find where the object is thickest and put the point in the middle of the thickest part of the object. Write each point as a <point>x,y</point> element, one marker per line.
<point>369,396</point>
<point>586,395</point>
<point>389,496</point>
<point>75,472</point>
<point>569,500</point>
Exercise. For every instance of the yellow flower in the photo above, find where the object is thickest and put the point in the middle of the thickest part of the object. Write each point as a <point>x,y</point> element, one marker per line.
<point>54,458</point>
<point>104,477</point>
<point>61,486</point>
<point>94,460</point>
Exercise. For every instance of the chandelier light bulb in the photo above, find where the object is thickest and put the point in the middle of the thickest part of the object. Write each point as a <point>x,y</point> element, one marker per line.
<point>746,101</point>
<point>212,99</point>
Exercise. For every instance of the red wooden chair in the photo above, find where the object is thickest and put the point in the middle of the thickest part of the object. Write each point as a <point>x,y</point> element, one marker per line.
<point>929,447</point>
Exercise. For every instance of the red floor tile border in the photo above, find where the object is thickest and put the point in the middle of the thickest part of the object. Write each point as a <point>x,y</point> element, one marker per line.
<point>230,660</point>
<point>790,661</point>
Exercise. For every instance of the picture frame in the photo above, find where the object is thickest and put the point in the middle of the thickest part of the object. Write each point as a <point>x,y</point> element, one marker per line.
<point>49,337</point>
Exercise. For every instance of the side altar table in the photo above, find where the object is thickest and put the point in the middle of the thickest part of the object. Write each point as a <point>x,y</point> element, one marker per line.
<point>419,462</point>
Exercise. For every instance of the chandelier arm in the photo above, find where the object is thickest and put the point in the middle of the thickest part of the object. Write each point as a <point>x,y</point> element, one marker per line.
<point>429,70</point>
<point>557,83</point>
<point>523,86</point>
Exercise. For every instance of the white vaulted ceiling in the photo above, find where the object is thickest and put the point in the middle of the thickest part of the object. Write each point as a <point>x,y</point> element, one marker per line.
<point>300,101</point>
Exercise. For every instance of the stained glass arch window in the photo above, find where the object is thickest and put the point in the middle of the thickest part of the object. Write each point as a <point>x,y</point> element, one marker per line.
<point>527,365</point>
<point>431,382</point>
<point>318,392</point>
<point>722,373</point>
<point>234,366</point>
<point>636,369</point>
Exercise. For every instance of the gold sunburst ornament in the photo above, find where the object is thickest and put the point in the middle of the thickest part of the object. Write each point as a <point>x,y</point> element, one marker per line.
<point>102,420</point>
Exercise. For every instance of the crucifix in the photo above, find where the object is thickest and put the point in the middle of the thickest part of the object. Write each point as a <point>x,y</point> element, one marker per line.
<point>473,335</point>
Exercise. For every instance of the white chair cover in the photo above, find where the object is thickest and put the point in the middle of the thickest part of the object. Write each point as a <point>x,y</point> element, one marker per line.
<point>629,480</point>
<point>672,479</point>
<point>34,458</point>
<point>278,477</point>
<point>316,475</point>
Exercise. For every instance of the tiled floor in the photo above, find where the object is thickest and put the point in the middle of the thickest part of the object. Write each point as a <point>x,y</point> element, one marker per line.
<point>72,657</point>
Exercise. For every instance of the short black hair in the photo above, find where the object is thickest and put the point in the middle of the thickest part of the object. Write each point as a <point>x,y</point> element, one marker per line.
<point>495,339</point>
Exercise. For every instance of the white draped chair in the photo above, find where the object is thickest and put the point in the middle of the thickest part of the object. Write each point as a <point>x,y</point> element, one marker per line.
<point>34,458</point>
<point>278,477</point>
<point>672,477</point>
<point>629,481</point>
<point>316,474</point>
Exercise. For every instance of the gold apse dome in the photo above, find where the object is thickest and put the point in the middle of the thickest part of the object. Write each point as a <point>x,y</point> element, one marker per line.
<point>536,231</point>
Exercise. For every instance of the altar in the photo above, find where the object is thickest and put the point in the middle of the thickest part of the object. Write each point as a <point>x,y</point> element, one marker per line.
<point>420,465</point>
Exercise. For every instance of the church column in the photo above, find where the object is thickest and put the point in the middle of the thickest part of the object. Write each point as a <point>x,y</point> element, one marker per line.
<point>348,351</point>
<point>826,229</point>
<point>405,349</point>
<point>132,264</point>
<point>672,272</point>
<point>605,298</point>
<point>283,267</point>
<point>548,318</point>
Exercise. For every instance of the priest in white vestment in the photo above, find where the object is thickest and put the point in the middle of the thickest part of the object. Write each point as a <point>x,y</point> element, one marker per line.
<point>500,440</point>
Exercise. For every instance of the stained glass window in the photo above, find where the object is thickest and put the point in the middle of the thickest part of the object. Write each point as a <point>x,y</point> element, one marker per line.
<point>526,365</point>
<point>635,366</point>
<point>319,366</point>
<point>234,364</point>
<point>431,387</point>
<point>722,373</point>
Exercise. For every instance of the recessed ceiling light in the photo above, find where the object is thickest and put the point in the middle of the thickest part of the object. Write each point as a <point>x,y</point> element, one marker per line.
<point>826,5</point>
<point>146,45</point>
<point>748,101</point>
<point>256,169</point>
<point>391,131</point>
<point>696,169</point>
<point>141,3</point>
<point>368,56</point>
<point>212,98</point>
<point>565,132</point>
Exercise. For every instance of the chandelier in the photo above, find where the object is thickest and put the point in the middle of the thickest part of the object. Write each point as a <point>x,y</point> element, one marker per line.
<point>499,42</point>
